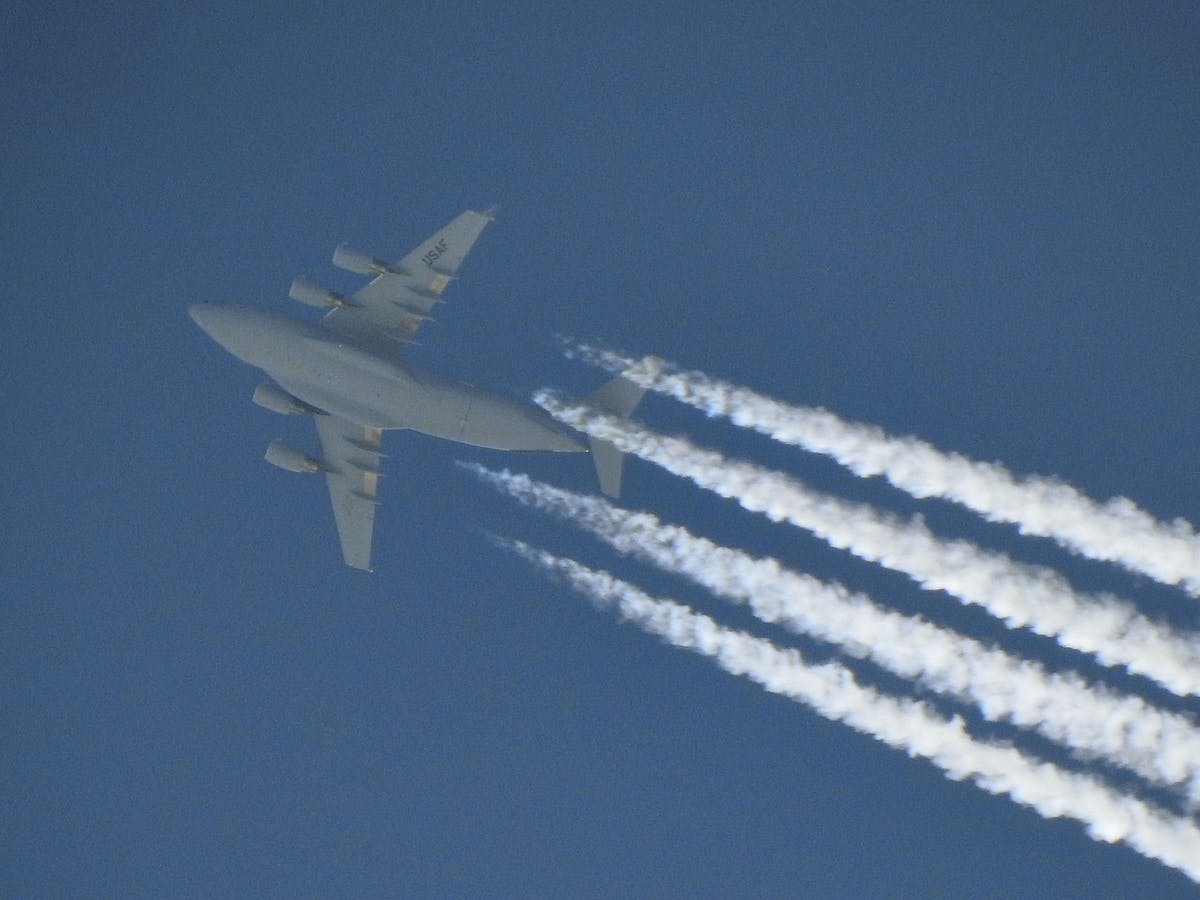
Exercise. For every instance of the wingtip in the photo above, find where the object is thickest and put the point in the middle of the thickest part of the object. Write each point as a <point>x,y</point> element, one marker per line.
<point>491,212</point>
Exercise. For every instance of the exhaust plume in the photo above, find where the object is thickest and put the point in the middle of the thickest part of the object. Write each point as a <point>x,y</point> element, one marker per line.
<point>1020,595</point>
<point>831,690</point>
<point>1093,722</point>
<point>1117,531</point>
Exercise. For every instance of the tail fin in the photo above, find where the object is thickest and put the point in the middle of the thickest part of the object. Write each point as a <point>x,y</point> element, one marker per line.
<point>620,397</point>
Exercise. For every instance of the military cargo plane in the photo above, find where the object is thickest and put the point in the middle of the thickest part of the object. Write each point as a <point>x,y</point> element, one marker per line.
<point>348,371</point>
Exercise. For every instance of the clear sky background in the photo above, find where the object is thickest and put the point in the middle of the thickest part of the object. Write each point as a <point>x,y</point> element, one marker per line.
<point>976,223</point>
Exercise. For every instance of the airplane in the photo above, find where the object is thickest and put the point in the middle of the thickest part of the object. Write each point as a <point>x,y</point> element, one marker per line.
<point>349,372</point>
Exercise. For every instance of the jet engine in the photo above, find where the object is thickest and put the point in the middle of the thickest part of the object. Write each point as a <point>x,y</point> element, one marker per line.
<point>285,457</point>
<point>312,294</point>
<point>276,399</point>
<point>351,260</point>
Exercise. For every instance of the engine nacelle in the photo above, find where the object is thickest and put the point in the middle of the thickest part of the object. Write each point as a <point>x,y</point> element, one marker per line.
<point>312,294</point>
<point>351,260</point>
<point>285,457</point>
<point>276,399</point>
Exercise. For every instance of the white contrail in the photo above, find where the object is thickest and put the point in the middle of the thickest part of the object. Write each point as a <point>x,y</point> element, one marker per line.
<point>908,725</point>
<point>1117,531</point>
<point>1021,595</point>
<point>1093,722</point>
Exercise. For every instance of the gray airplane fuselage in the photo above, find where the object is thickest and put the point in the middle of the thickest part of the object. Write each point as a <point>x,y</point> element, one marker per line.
<point>366,386</point>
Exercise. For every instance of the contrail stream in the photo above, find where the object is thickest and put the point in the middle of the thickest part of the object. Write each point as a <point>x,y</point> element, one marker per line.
<point>1117,531</point>
<point>911,726</point>
<point>1020,595</point>
<point>1091,721</point>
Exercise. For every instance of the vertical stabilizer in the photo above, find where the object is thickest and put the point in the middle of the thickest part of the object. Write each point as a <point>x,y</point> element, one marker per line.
<point>620,397</point>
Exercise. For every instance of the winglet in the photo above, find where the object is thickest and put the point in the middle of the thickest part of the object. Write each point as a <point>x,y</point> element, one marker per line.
<point>620,397</point>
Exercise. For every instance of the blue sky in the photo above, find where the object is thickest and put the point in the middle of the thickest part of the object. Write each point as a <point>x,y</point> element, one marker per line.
<point>973,224</point>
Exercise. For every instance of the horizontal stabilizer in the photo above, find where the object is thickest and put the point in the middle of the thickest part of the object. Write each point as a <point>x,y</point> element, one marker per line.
<point>610,464</point>
<point>620,397</point>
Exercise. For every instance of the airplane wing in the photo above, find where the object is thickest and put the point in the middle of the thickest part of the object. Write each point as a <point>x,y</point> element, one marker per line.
<point>395,304</point>
<point>351,456</point>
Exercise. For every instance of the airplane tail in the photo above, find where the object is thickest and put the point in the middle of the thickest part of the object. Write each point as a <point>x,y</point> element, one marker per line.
<point>620,397</point>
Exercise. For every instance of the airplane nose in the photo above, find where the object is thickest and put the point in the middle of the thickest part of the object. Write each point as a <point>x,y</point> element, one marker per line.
<point>201,314</point>
<point>221,323</point>
<point>207,316</point>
